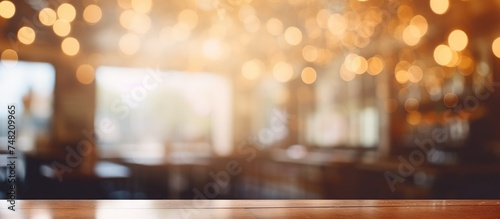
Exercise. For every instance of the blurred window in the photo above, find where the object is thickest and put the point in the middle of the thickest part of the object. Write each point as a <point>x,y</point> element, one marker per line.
<point>29,86</point>
<point>147,113</point>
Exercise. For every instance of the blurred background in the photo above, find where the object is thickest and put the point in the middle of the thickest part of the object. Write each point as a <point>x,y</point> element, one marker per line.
<point>231,99</point>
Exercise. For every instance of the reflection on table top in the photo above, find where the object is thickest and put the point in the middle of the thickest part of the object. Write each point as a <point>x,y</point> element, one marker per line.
<point>219,209</point>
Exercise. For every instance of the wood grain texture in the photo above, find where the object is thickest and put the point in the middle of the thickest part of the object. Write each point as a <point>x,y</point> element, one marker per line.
<point>220,209</point>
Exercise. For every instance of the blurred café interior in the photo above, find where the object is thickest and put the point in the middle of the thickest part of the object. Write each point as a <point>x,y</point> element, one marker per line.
<point>252,99</point>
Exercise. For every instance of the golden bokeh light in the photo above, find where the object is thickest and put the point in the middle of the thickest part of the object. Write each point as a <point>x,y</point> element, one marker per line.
<point>142,6</point>
<point>356,63</point>
<point>495,47</point>
<point>405,12</point>
<point>443,55</point>
<point>458,40</point>
<point>308,75</point>
<point>9,58</point>
<point>251,23</point>
<point>466,65</point>
<point>293,35</point>
<point>352,19</point>
<point>126,18</point>
<point>47,16</point>
<point>129,44</point>
<point>252,69</point>
<point>7,9</point>
<point>375,65</point>
<point>415,74</point>
<point>455,59</point>
<point>322,18</point>
<point>420,22</point>
<point>85,74</point>
<point>439,6</point>
<point>283,72</point>
<point>337,24</point>
<point>450,100</point>
<point>310,53</point>
<point>61,28</point>
<point>137,22</point>
<point>345,74</point>
<point>26,35</point>
<point>92,14</point>
<point>66,12</point>
<point>414,118</point>
<point>402,76</point>
<point>70,46</point>
<point>361,65</point>
<point>274,26</point>
<point>411,35</point>
<point>411,105</point>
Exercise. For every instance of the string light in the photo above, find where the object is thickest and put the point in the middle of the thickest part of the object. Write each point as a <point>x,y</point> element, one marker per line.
<point>7,9</point>
<point>70,46</point>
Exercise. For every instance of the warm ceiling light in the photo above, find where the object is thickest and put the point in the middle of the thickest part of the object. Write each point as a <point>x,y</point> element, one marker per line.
<point>322,18</point>
<point>443,55</point>
<point>337,24</point>
<point>47,16</point>
<point>308,75</point>
<point>66,12</point>
<point>439,6</point>
<point>420,22</point>
<point>9,58</point>
<point>415,74</point>
<point>70,46</point>
<point>345,74</point>
<point>274,26</point>
<point>356,63</point>
<point>375,65</point>
<point>310,53</point>
<point>92,14</point>
<point>414,118</point>
<point>411,35</point>
<point>458,40</point>
<point>450,100</point>
<point>293,36</point>
<point>411,105</point>
<point>401,76</point>
<point>7,9</point>
<point>495,47</point>
<point>26,35</point>
<point>137,22</point>
<point>61,28</point>
<point>85,74</point>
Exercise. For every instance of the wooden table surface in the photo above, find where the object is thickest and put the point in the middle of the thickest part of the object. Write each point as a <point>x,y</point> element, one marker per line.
<point>220,209</point>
